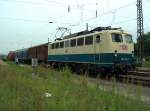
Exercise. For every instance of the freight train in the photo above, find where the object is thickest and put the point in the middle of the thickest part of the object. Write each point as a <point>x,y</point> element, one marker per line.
<point>25,55</point>
<point>103,49</point>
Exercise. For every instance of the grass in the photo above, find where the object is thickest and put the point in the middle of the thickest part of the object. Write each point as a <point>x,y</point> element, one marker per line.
<point>20,90</point>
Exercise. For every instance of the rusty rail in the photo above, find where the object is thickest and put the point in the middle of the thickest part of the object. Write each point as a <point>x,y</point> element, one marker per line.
<point>141,77</point>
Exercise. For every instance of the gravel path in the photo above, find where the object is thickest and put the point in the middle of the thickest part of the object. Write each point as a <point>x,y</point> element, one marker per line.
<point>2,63</point>
<point>128,90</point>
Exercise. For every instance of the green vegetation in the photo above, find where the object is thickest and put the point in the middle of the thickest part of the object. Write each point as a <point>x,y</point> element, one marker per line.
<point>20,90</point>
<point>146,64</point>
<point>146,46</point>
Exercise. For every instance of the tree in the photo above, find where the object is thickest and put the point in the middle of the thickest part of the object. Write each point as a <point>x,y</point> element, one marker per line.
<point>146,45</point>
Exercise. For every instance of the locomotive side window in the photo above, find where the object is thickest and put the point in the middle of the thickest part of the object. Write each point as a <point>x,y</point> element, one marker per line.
<point>128,39</point>
<point>73,43</point>
<point>98,39</point>
<point>61,44</point>
<point>80,41</point>
<point>52,46</point>
<point>57,45</point>
<point>67,43</point>
<point>89,40</point>
<point>117,38</point>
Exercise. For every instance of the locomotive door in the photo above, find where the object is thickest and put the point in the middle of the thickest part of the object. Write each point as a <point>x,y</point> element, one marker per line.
<point>97,48</point>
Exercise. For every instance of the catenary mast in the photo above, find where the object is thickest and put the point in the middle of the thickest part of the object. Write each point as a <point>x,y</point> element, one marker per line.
<point>140,31</point>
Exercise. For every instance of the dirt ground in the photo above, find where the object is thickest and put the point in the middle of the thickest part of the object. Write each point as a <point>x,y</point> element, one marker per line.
<point>2,63</point>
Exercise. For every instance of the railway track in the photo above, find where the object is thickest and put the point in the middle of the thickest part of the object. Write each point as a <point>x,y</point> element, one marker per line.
<point>140,76</point>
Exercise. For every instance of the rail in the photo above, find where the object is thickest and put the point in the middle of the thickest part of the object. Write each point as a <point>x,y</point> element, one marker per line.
<point>141,77</point>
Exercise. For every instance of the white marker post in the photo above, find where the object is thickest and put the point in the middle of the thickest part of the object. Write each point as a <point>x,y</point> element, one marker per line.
<point>16,61</point>
<point>34,65</point>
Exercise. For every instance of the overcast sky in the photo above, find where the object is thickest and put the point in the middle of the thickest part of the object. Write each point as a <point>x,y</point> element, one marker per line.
<point>24,23</point>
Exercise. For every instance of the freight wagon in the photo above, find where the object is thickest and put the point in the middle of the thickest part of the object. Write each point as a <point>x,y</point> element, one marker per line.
<point>26,55</point>
<point>22,55</point>
<point>40,52</point>
<point>11,56</point>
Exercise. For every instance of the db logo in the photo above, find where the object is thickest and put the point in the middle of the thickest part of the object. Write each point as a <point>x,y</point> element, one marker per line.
<point>124,47</point>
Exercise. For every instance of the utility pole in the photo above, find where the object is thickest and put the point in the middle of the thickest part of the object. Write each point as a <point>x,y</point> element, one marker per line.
<point>87,26</point>
<point>140,31</point>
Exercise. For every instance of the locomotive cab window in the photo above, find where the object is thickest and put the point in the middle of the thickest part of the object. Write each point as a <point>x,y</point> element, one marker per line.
<point>67,43</point>
<point>73,43</point>
<point>89,40</point>
<point>80,41</point>
<point>98,39</point>
<point>61,44</point>
<point>128,39</point>
<point>116,37</point>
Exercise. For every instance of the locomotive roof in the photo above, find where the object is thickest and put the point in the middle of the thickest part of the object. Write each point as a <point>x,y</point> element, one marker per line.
<point>94,31</point>
<point>97,29</point>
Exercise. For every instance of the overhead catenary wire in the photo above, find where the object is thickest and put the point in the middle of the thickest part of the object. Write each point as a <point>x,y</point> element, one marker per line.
<point>34,3</point>
<point>120,22</point>
<point>52,1</point>
<point>31,20</point>
<point>89,19</point>
<point>70,24</point>
<point>47,3</point>
<point>81,8</point>
<point>110,11</point>
<point>28,20</point>
<point>58,3</point>
<point>40,3</point>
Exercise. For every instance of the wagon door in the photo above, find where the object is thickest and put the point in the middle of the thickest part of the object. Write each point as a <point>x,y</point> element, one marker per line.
<point>97,46</point>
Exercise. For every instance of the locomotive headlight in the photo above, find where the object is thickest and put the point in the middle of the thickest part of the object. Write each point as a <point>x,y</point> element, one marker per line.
<point>116,53</point>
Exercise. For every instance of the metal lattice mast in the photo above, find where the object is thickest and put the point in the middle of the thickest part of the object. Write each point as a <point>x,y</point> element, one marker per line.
<point>140,30</point>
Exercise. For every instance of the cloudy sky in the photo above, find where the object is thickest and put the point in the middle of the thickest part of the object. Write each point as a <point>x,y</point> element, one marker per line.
<point>24,23</point>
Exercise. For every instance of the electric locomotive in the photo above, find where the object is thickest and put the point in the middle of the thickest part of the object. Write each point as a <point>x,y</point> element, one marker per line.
<point>101,49</point>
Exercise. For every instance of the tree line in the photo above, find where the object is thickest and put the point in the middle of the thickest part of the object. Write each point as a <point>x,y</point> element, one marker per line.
<point>146,45</point>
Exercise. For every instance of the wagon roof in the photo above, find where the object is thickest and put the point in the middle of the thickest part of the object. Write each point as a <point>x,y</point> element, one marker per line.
<point>39,45</point>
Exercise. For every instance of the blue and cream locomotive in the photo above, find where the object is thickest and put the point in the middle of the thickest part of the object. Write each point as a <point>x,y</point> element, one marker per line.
<point>103,48</point>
